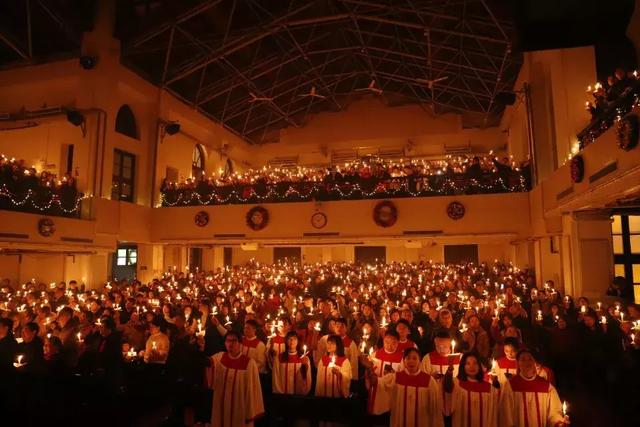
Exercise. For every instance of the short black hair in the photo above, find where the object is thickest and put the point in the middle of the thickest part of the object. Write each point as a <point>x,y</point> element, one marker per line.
<point>443,333</point>
<point>33,327</point>
<point>339,344</point>
<point>253,323</point>
<point>404,322</point>
<point>233,333</point>
<point>513,342</point>
<point>392,333</point>
<point>407,351</point>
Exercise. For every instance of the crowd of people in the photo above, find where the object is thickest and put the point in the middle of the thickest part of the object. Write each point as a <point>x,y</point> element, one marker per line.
<point>367,178</point>
<point>24,188</point>
<point>610,101</point>
<point>410,344</point>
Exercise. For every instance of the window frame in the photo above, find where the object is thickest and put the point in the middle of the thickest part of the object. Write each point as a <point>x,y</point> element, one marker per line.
<point>118,179</point>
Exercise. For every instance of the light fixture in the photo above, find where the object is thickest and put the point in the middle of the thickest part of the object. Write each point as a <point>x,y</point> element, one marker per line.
<point>172,128</point>
<point>76,118</point>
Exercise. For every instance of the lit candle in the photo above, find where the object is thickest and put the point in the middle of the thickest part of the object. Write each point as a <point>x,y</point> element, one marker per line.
<point>494,367</point>
<point>18,363</point>
<point>453,346</point>
<point>317,327</point>
<point>80,340</point>
<point>539,317</point>
<point>564,409</point>
<point>603,320</point>
<point>304,350</point>
<point>154,345</point>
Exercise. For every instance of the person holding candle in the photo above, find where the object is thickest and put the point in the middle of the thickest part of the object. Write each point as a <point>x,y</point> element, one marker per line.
<point>415,400</point>
<point>253,347</point>
<point>234,378</point>
<point>379,363</point>
<point>507,365</point>
<point>474,401</point>
<point>8,346</point>
<point>350,347</point>
<point>403,328</point>
<point>157,347</point>
<point>32,347</point>
<point>529,400</point>
<point>292,369</point>
<point>333,377</point>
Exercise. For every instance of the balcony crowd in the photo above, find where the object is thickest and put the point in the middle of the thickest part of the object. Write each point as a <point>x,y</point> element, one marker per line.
<point>25,189</point>
<point>611,101</point>
<point>370,178</point>
<point>342,343</point>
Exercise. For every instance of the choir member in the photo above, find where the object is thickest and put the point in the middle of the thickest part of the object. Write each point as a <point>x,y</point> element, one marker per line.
<point>253,347</point>
<point>292,369</point>
<point>438,361</point>
<point>403,327</point>
<point>386,360</point>
<point>276,343</point>
<point>529,400</point>
<point>350,347</point>
<point>474,401</point>
<point>415,396</point>
<point>507,365</point>
<point>237,397</point>
<point>334,370</point>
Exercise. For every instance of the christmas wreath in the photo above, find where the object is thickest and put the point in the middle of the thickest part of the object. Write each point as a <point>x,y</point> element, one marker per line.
<point>627,132</point>
<point>257,218</point>
<point>46,227</point>
<point>201,219</point>
<point>385,214</point>
<point>577,169</point>
<point>456,210</point>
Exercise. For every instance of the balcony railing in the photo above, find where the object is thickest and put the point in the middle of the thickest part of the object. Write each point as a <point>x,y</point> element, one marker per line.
<point>64,201</point>
<point>610,113</point>
<point>203,193</point>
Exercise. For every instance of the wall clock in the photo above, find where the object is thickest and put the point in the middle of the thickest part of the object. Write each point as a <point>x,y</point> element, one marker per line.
<point>318,220</point>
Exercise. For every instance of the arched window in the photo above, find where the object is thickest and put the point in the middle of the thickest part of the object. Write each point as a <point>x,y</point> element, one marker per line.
<point>126,122</point>
<point>197,161</point>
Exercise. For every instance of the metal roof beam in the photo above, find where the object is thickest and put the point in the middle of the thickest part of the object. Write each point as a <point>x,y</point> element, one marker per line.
<point>183,17</point>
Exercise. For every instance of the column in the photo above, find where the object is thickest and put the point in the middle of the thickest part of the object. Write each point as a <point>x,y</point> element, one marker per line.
<point>591,257</point>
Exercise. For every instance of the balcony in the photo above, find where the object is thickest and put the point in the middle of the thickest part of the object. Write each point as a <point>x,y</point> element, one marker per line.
<point>204,192</point>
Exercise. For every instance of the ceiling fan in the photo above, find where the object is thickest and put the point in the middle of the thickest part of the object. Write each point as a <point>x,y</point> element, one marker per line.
<point>371,88</point>
<point>312,94</point>
<point>430,83</point>
<point>255,98</point>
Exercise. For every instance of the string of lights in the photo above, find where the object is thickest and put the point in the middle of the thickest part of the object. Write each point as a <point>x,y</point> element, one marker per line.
<point>29,200</point>
<point>445,186</point>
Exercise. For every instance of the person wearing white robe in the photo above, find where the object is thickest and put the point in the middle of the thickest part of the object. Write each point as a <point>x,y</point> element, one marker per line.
<point>292,370</point>
<point>276,344</point>
<point>527,400</point>
<point>438,362</point>
<point>415,396</point>
<point>474,401</point>
<point>333,378</point>
<point>383,361</point>
<point>253,347</point>
<point>507,366</point>
<point>350,348</point>
<point>237,396</point>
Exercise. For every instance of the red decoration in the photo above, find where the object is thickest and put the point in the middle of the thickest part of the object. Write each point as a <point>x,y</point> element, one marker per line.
<point>577,169</point>
<point>456,210</point>
<point>46,227</point>
<point>627,132</point>
<point>257,218</point>
<point>201,219</point>
<point>385,214</point>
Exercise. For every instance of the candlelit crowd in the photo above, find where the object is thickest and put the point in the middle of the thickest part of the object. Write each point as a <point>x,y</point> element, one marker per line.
<point>23,188</point>
<point>406,344</point>
<point>609,102</point>
<point>370,177</point>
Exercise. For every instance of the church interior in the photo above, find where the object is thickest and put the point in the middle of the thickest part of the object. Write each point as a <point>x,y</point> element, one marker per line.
<point>201,166</point>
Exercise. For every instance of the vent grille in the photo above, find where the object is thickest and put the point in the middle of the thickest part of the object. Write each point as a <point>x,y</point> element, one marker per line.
<point>564,193</point>
<point>76,239</point>
<point>229,235</point>
<point>14,235</point>
<point>610,168</point>
<point>414,232</point>
<point>329,233</point>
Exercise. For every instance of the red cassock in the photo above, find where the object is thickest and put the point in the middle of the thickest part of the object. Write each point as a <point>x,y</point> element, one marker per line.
<point>415,399</point>
<point>530,403</point>
<point>237,396</point>
<point>329,384</point>
<point>436,364</point>
<point>379,398</point>
<point>287,378</point>
<point>256,350</point>
<point>474,404</point>
<point>506,366</point>
<point>403,345</point>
